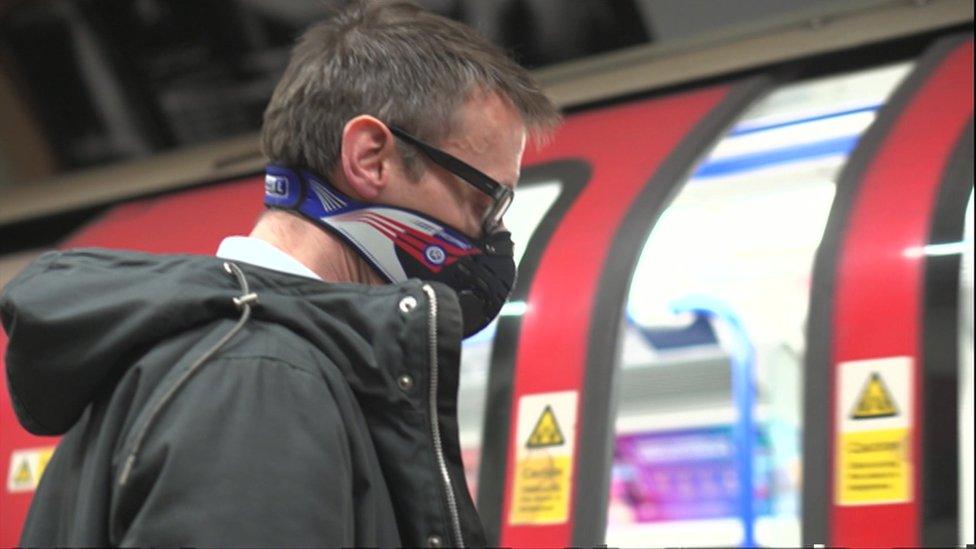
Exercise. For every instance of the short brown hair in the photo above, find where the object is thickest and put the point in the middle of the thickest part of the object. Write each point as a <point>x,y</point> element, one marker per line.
<point>394,61</point>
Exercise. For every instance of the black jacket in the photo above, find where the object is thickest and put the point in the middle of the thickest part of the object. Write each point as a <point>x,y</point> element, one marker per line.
<point>328,418</point>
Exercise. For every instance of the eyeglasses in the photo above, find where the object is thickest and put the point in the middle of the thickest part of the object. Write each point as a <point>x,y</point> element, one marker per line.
<point>500,194</point>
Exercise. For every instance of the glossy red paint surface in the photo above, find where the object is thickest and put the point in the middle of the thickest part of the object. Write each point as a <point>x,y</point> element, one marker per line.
<point>625,145</point>
<point>13,506</point>
<point>879,298</point>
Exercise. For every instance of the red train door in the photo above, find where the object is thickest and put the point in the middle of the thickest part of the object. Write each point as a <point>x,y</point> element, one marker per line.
<point>881,376</point>
<point>548,439</point>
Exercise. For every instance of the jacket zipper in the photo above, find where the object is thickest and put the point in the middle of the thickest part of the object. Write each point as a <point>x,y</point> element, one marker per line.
<point>434,426</point>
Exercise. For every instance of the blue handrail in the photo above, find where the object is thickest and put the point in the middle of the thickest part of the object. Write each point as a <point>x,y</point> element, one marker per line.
<point>743,360</point>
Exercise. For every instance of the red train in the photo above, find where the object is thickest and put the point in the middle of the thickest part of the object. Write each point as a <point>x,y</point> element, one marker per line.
<point>743,316</point>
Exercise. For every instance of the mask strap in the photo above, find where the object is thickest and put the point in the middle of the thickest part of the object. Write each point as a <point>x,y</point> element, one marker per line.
<point>283,188</point>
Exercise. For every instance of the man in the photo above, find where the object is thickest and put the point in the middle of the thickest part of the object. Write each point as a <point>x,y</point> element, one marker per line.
<point>299,389</point>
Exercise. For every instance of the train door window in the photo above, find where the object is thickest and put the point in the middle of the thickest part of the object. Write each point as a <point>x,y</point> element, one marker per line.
<point>533,200</point>
<point>723,283</point>
<point>966,381</point>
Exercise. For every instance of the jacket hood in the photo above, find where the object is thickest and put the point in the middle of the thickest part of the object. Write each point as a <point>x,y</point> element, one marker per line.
<point>77,320</point>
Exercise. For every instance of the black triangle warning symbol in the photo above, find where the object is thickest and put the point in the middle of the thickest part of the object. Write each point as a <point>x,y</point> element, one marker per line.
<point>875,400</point>
<point>546,431</point>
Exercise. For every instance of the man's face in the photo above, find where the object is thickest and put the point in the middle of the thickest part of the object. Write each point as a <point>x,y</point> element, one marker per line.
<point>490,136</point>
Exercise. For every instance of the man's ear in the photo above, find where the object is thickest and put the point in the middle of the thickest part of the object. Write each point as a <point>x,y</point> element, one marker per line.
<point>367,149</point>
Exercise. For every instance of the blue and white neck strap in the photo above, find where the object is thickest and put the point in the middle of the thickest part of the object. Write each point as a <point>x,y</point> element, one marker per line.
<point>397,242</point>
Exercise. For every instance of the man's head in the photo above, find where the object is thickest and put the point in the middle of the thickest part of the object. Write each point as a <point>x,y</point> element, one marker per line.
<point>414,128</point>
<point>378,64</point>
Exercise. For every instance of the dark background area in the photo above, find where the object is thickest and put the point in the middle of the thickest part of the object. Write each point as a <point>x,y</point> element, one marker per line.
<point>113,79</point>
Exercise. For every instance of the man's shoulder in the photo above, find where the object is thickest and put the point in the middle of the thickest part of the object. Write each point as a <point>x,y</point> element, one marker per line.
<point>264,369</point>
<point>257,352</point>
<point>274,344</point>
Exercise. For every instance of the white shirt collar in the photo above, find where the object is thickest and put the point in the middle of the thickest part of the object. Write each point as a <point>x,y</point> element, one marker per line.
<point>263,254</point>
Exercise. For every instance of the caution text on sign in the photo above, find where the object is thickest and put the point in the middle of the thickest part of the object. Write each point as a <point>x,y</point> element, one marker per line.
<point>873,444</point>
<point>874,467</point>
<point>544,458</point>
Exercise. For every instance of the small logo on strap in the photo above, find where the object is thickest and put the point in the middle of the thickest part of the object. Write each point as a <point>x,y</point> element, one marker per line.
<point>435,254</point>
<point>276,185</point>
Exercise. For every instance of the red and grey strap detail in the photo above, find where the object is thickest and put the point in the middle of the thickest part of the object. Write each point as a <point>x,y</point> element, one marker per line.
<point>383,234</point>
<point>426,247</point>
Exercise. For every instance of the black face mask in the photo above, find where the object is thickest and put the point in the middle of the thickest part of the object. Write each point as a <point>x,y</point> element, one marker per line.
<point>401,244</point>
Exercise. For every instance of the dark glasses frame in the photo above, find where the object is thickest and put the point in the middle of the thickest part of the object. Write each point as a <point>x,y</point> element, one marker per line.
<point>500,194</point>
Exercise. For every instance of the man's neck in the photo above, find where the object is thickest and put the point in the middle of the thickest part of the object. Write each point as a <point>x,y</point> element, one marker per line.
<point>325,254</point>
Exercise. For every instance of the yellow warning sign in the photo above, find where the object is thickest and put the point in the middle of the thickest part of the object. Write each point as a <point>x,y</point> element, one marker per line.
<point>542,490</point>
<point>26,468</point>
<point>875,401</point>
<point>874,467</point>
<point>546,431</point>
<point>874,437</point>
<point>543,479</point>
